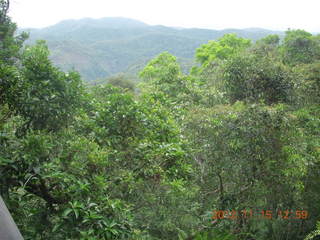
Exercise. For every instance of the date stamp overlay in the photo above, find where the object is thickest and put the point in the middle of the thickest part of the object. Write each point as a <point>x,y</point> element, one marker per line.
<point>259,214</point>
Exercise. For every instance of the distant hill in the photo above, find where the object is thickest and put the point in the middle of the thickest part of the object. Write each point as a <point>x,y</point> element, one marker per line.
<point>99,48</point>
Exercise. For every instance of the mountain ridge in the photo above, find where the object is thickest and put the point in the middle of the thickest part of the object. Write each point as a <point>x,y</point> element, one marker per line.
<point>99,48</point>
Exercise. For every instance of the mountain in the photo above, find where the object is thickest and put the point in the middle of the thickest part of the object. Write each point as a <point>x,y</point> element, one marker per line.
<point>99,48</point>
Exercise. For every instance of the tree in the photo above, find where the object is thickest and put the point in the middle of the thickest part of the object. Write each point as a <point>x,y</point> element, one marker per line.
<point>272,39</point>
<point>163,75</point>
<point>10,50</point>
<point>252,78</point>
<point>268,46</point>
<point>49,97</point>
<point>163,69</point>
<point>226,47</point>
<point>300,47</point>
<point>308,85</point>
<point>121,81</point>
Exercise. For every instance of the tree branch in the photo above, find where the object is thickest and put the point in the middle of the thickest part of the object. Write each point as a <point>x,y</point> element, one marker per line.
<point>41,190</point>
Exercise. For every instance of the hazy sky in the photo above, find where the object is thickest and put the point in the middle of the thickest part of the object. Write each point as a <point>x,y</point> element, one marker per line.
<point>215,14</point>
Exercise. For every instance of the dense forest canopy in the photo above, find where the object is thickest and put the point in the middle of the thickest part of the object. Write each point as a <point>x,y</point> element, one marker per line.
<point>238,134</point>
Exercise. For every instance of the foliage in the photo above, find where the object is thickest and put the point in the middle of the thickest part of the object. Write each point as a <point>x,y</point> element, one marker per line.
<point>251,78</point>
<point>121,81</point>
<point>10,50</point>
<point>113,162</point>
<point>272,39</point>
<point>300,47</point>
<point>313,234</point>
<point>49,98</point>
<point>308,84</point>
<point>163,76</point>
<point>226,47</point>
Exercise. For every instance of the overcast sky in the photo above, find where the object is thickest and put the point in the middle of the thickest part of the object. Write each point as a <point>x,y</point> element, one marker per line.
<point>214,14</point>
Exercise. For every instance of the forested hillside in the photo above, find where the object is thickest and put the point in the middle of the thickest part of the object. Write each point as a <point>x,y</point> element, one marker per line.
<point>100,48</point>
<point>229,151</point>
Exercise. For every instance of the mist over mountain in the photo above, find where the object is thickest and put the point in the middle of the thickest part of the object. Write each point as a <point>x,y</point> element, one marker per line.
<point>99,48</point>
